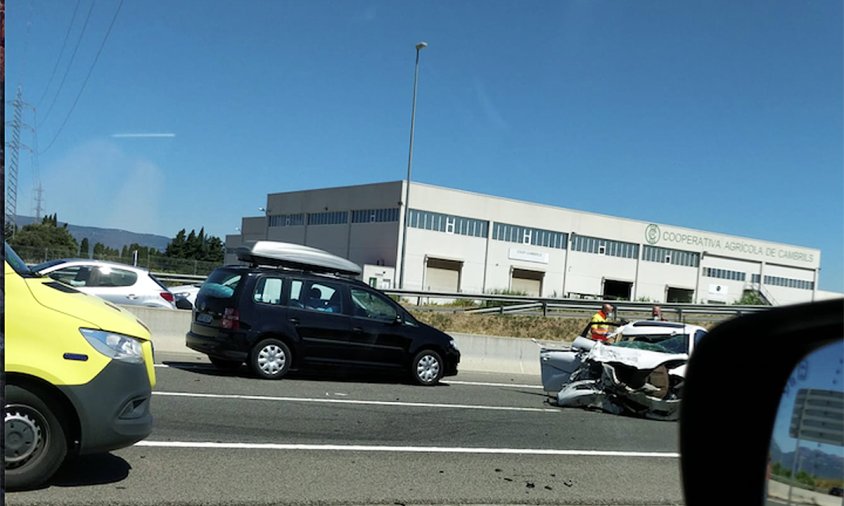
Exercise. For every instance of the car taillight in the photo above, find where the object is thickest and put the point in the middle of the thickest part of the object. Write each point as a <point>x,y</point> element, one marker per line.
<point>231,319</point>
<point>167,296</point>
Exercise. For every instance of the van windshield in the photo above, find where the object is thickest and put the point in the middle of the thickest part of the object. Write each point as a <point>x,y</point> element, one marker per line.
<point>16,262</point>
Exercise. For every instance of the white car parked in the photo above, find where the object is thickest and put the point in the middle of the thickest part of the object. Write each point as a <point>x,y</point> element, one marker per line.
<point>114,282</point>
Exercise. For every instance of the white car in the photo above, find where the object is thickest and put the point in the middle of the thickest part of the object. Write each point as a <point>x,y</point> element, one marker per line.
<point>640,373</point>
<point>185,295</point>
<point>114,282</point>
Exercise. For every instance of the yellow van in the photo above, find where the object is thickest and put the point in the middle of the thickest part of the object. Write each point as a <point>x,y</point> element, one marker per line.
<point>78,374</point>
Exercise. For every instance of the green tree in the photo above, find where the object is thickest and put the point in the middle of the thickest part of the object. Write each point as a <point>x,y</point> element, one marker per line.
<point>84,248</point>
<point>45,237</point>
<point>176,248</point>
<point>751,298</point>
<point>806,478</point>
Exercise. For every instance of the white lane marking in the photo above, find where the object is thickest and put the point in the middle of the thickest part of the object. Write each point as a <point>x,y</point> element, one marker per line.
<point>482,384</point>
<point>350,401</point>
<point>446,381</point>
<point>404,449</point>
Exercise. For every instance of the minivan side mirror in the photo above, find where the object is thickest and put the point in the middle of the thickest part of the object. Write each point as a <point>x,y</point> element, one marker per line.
<point>734,383</point>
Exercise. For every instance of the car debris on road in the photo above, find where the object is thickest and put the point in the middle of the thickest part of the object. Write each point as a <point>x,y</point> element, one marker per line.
<point>640,373</point>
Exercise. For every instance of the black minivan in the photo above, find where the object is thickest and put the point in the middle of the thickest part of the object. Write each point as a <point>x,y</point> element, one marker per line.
<point>276,318</point>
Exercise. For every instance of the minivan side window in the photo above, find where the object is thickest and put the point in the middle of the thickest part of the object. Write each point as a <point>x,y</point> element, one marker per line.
<point>268,291</point>
<point>372,305</point>
<point>316,296</point>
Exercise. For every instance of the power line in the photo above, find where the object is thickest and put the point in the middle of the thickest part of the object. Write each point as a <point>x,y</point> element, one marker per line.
<point>61,53</point>
<point>72,57</point>
<point>84,83</point>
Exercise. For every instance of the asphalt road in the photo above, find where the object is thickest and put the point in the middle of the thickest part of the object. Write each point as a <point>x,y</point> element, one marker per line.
<point>223,438</point>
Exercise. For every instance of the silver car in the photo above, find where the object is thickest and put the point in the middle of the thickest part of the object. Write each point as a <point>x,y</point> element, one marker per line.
<point>114,282</point>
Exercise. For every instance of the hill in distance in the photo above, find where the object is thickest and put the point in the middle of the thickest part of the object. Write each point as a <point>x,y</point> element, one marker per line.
<point>111,237</point>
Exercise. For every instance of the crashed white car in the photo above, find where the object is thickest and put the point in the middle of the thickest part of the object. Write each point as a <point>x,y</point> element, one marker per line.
<point>640,373</point>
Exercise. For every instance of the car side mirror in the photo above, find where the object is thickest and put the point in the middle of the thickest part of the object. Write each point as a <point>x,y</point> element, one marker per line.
<point>399,319</point>
<point>735,381</point>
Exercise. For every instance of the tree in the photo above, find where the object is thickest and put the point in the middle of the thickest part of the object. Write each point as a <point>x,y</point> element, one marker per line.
<point>84,247</point>
<point>37,238</point>
<point>751,298</point>
<point>176,248</point>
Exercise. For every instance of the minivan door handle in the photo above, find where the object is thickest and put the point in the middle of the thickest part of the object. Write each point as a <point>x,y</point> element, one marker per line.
<point>358,330</point>
<point>293,320</point>
<point>131,296</point>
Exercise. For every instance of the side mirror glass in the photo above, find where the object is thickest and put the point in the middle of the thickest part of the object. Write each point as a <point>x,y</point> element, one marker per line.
<point>806,456</point>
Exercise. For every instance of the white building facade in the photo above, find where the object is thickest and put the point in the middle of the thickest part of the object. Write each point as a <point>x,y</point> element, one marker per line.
<point>460,241</point>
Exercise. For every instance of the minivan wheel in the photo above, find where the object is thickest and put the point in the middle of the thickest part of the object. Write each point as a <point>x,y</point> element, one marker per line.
<point>35,444</point>
<point>270,359</point>
<point>427,367</point>
<point>225,365</point>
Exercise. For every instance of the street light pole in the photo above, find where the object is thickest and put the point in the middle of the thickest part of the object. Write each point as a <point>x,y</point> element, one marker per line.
<point>419,47</point>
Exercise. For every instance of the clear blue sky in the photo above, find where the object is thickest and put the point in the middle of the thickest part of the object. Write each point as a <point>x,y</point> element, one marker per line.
<point>716,115</point>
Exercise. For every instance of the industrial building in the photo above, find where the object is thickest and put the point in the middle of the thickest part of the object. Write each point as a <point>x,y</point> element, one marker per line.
<point>460,241</point>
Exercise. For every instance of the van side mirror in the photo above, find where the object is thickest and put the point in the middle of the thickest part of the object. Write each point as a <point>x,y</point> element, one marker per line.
<point>735,380</point>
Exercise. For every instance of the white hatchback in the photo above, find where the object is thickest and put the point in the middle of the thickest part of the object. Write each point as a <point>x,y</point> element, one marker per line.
<point>114,282</point>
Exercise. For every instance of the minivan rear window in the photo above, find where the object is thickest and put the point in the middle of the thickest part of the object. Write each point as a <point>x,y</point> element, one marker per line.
<point>220,284</point>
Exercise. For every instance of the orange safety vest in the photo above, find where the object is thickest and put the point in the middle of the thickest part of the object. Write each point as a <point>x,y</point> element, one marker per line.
<point>600,332</point>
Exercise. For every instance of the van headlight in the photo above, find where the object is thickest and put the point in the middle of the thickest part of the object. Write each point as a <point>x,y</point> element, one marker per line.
<point>453,344</point>
<point>114,346</point>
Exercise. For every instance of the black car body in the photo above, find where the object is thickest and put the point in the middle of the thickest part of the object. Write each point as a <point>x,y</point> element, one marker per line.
<point>274,319</point>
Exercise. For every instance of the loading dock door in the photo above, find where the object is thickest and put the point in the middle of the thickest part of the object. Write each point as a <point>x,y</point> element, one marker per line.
<point>679,295</point>
<point>617,290</point>
<point>527,282</point>
<point>442,275</point>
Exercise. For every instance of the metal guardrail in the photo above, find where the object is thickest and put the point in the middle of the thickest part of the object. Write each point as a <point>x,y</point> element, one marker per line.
<point>518,303</point>
<point>185,279</point>
<point>514,304</point>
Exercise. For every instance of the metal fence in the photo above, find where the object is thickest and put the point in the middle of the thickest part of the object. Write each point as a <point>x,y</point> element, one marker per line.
<point>153,263</point>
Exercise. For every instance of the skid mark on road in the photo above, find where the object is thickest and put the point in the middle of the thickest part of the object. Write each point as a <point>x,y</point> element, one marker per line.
<point>352,401</point>
<point>404,449</point>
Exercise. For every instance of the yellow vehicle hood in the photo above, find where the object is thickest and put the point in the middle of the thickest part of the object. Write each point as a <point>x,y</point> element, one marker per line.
<point>96,312</point>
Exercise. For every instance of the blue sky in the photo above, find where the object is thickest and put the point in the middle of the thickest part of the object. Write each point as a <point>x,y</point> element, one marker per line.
<point>716,115</point>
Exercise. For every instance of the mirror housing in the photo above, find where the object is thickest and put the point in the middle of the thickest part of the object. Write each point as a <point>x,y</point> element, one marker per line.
<point>734,383</point>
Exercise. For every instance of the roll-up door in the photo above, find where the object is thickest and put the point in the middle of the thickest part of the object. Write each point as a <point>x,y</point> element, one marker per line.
<point>527,282</point>
<point>442,275</point>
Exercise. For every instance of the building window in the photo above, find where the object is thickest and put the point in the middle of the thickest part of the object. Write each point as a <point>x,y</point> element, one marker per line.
<point>328,218</point>
<point>526,235</point>
<point>375,215</point>
<point>670,256</point>
<point>607,247</point>
<point>447,223</point>
<point>287,220</point>
<point>711,272</point>
<point>800,284</point>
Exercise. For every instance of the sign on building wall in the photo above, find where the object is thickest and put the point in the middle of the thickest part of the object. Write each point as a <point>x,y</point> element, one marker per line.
<point>726,245</point>
<point>718,292</point>
<point>529,256</point>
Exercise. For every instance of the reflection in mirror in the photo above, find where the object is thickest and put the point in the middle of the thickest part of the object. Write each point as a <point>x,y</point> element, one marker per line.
<point>806,459</point>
